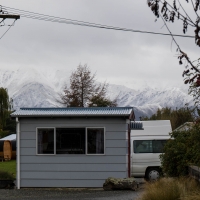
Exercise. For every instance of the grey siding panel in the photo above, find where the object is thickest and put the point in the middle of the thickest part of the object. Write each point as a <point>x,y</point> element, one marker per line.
<point>28,143</point>
<point>73,159</point>
<point>28,151</point>
<point>62,183</point>
<point>28,135</point>
<point>73,167</point>
<point>109,143</point>
<point>31,135</point>
<point>73,121</point>
<point>71,175</point>
<point>116,151</point>
<point>116,135</point>
<point>67,170</point>
<point>31,151</point>
<point>116,143</point>
<point>109,127</point>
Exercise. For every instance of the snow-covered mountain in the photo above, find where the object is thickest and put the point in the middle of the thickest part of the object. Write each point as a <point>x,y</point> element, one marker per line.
<point>37,88</point>
<point>146,100</point>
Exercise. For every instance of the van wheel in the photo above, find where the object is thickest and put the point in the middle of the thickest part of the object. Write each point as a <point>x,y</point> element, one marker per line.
<point>152,174</point>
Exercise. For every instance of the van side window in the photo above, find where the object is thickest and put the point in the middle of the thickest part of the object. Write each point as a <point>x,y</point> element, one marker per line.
<point>143,146</point>
<point>158,146</point>
<point>148,146</point>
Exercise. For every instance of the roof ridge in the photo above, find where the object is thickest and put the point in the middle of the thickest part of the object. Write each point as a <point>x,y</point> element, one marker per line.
<point>67,108</point>
<point>74,111</point>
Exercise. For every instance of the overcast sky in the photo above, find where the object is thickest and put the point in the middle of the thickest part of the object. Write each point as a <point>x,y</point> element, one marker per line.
<point>118,57</point>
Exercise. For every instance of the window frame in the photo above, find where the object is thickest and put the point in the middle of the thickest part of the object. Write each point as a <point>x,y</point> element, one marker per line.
<point>104,131</point>
<point>86,148</point>
<point>39,154</point>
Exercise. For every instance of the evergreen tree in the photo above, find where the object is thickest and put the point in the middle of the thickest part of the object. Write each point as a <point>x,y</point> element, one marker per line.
<point>4,107</point>
<point>84,91</point>
<point>102,102</point>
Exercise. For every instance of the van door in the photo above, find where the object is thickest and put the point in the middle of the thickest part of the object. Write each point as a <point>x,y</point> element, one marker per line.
<point>145,153</point>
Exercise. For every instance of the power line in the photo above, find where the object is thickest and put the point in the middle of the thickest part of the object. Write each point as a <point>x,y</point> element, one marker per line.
<point>33,13</point>
<point>38,16</point>
<point>8,29</point>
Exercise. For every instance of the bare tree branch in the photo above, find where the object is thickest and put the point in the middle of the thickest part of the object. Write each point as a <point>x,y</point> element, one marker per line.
<point>179,12</point>
<point>184,10</point>
<point>194,8</point>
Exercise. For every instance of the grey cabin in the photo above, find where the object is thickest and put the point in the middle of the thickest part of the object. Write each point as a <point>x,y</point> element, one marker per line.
<point>72,147</point>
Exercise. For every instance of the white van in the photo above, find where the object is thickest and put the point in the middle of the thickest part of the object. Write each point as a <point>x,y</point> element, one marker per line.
<point>147,141</point>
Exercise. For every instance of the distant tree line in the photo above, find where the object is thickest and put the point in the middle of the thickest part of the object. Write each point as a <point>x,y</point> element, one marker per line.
<point>7,125</point>
<point>177,117</point>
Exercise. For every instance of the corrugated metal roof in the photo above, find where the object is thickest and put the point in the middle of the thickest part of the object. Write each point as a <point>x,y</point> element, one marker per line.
<point>136,125</point>
<point>9,137</point>
<point>91,111</point>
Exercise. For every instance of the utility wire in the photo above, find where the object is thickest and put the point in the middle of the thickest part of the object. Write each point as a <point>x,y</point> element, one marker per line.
<point>50,18</point>
<point>38,14</point>
<point>184,10</point>
<point>8,29</point>
<point>170,33</point>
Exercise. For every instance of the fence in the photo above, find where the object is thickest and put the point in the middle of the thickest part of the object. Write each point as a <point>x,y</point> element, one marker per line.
<point>194,172</point>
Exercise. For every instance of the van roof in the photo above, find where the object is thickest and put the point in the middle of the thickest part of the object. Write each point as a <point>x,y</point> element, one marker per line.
<point>153,127</point>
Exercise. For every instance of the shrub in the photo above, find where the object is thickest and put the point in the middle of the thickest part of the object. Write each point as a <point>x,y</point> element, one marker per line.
<point>194,196</point>
<point>6,176</point>
<point>3,133</point>
<point>171,189</point>
<point>181,151</point>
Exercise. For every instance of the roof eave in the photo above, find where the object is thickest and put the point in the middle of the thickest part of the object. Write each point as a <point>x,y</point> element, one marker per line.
<point>89,115</point>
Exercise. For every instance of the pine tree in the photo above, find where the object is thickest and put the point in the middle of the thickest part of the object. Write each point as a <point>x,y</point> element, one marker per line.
<point>84,91</point>
<point>4,107</point>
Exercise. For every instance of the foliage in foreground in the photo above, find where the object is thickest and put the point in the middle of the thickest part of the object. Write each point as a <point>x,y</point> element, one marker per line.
<point>181,151</point>
<point>7,125</point>
<point>172,189</point>
<point>170,12</point>
<point>9,166</point>
<point>177,117</point>
<point>6,175</point>
<point>9,128</point>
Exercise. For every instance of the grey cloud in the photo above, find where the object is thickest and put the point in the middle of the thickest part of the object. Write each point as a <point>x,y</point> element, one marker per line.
<point>116,56</point>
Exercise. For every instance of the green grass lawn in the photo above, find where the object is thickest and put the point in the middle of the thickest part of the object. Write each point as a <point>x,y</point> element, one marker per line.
<point>9,166</point>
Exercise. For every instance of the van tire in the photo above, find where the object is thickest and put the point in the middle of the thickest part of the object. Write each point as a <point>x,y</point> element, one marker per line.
<point>152,174</point>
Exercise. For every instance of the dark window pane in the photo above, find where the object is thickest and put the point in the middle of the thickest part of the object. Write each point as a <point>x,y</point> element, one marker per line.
<point>70,141</point>
<point>45,141</point>
<point>142,146</point>
<point>95,141</point>
<point>148,146</point>
<point>158,146</point>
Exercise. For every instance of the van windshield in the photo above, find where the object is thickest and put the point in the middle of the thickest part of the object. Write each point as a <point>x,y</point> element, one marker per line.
<point>148,146</point>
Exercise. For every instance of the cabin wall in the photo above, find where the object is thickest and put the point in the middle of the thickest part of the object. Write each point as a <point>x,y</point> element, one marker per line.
<point>73,170</point>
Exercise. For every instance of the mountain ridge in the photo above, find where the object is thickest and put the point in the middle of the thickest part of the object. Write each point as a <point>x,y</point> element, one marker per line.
<point>33,88</point>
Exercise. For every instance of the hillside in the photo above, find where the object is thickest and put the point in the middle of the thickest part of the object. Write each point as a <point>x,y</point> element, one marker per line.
<point>33,88</point>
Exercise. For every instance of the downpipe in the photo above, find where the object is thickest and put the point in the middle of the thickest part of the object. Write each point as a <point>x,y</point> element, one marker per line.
<point>18,152</point>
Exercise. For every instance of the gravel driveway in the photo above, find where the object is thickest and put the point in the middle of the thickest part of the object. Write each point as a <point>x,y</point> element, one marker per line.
<point>64,193</point>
